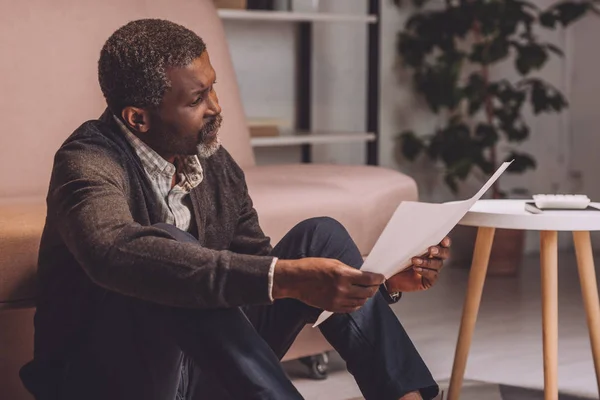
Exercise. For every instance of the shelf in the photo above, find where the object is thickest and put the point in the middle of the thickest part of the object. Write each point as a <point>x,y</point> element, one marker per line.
<point>258,15</point>
<point>313,138</point>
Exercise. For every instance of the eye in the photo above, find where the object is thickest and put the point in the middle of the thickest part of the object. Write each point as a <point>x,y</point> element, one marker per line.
<point>198,100</point>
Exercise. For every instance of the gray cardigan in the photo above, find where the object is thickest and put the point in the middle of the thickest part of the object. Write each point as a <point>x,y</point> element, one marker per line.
<point>98,236</point>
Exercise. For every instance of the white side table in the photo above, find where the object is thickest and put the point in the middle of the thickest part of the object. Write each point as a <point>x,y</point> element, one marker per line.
<point>488,215</point>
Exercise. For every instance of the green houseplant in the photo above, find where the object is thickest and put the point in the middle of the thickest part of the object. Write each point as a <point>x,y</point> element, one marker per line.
<point>451,49</point>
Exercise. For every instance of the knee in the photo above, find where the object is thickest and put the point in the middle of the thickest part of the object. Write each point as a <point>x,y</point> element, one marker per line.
<point>323,225</point>
<point>327,237</point>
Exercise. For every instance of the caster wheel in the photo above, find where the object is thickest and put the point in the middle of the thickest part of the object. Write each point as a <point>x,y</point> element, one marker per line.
<point>317,366</point>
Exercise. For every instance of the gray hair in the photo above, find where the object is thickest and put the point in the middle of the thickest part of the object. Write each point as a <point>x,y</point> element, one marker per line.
<point>134,59</point>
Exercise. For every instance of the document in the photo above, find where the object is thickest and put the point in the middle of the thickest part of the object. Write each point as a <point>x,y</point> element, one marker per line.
<point>414,228</point>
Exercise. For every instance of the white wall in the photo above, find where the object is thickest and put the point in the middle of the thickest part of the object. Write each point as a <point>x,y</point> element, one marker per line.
<point>584,127</point>
<point>584,122</point>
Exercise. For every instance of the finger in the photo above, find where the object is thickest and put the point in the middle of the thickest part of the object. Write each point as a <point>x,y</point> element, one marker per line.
<point>434,264</point>
<point>428,274</point>
<point>439,252</point>
<point>362,292</point>
<point>367,279</point>
<point>446,242</point>
<point>412,281</point>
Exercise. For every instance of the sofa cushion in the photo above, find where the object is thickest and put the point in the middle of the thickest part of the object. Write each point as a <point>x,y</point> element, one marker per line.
<point>362,198</point>
<point>20,233</point>
<point>16,338</point>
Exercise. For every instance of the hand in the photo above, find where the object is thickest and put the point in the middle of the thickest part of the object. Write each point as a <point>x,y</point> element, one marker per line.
<point>423,272</point>
<point>325,283</point>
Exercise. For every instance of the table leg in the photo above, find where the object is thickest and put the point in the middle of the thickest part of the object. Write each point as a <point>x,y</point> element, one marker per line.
<point>481,258</point>
<point>589,290</point>
<point>549,272</point>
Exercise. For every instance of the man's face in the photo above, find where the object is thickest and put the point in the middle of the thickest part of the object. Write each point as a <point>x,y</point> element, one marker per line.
<point>188,119</point>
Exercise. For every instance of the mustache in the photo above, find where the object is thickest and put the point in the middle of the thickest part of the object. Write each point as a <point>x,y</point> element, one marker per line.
<point>212,125</point>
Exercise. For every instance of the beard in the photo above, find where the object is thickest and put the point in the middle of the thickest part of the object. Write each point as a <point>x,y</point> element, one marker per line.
<point>209,145</point>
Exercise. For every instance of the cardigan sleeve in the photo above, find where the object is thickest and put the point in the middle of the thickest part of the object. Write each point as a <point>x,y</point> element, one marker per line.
<point>88,202</point>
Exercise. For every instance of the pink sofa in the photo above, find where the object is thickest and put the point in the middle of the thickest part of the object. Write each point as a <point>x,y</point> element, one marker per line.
<point>48,86</point>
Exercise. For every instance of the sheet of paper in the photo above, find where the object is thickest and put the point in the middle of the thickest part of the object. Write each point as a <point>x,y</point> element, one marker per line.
<point>413,228</point>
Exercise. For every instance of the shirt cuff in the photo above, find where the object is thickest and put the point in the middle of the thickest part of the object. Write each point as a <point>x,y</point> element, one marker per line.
<point>271,275</point>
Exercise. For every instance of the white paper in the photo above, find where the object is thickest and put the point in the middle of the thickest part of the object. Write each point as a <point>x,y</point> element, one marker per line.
<point>413,228</point>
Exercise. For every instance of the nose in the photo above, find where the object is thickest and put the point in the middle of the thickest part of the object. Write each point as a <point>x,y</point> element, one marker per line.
<point>213,104</point>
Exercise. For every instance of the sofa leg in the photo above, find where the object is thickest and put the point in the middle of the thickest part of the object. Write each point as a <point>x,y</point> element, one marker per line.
<point>318,365</point>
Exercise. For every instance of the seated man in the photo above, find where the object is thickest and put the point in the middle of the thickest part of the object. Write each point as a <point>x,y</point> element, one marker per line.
<point>156,281</point>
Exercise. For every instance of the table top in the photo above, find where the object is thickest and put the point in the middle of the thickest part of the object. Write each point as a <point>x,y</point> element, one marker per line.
<point>511,214</point>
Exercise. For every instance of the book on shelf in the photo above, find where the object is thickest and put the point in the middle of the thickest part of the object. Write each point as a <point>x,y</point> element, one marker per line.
<point>266,127</point>
<point>233,4</point>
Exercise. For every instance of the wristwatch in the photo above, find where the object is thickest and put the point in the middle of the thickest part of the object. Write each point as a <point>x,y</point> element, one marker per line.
<point>391,298</point>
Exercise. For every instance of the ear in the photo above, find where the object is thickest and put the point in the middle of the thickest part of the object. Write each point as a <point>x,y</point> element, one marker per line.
<point>137,119</point>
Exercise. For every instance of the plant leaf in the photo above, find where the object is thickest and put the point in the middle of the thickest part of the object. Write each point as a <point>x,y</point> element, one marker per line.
<point>461,168</point>
<point>474,92</point>
<point>545,97</point>
<point>411,145</point>
<point>456,143</point>
<point>438,83</point>
<point>486,135</point>
<point>490,52</point>
<point>484,164</point>
<point>411,49</point>
<point>548,19</point>
<point>522,162</point>
<point>530,57</point>
<point>451,182</point>
<point>568,12</point>
<point>516,131</point>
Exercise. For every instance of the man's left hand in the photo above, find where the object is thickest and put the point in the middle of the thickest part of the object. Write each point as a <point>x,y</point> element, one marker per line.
<point>423,272</point>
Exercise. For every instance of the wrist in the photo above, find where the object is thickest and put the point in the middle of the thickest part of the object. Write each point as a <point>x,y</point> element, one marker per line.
<point>391,295</point>
<point>387,287</point>
<point>283,280</point>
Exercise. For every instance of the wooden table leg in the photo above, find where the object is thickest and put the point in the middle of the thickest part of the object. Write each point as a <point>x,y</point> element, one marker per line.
<point>549,272</point>
<point>589,290</point>
<point>481,258</point>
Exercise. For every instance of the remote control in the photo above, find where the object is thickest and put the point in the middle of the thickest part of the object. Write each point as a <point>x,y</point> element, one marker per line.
<point>563,201</point>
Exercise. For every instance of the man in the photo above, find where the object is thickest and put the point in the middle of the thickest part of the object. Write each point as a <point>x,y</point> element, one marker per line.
<point>155,278</point>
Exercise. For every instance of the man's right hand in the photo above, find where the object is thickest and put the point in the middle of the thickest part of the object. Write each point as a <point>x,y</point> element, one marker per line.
<point>324,283</point>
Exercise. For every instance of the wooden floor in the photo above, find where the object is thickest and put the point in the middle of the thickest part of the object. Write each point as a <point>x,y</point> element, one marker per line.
<point>507,345</point>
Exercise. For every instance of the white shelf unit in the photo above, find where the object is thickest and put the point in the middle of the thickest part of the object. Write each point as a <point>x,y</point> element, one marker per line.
<point>304,135</point>
<point>291,16</point>
<point>300,138</point>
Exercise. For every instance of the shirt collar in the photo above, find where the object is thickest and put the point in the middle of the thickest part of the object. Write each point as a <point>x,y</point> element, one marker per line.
<point>154,164</point>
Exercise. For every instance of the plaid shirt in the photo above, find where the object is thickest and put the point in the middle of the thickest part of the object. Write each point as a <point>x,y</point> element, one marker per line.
<point>175,202</point>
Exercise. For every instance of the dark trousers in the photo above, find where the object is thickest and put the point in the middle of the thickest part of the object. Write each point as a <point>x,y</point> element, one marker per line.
<point>139,350</point>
